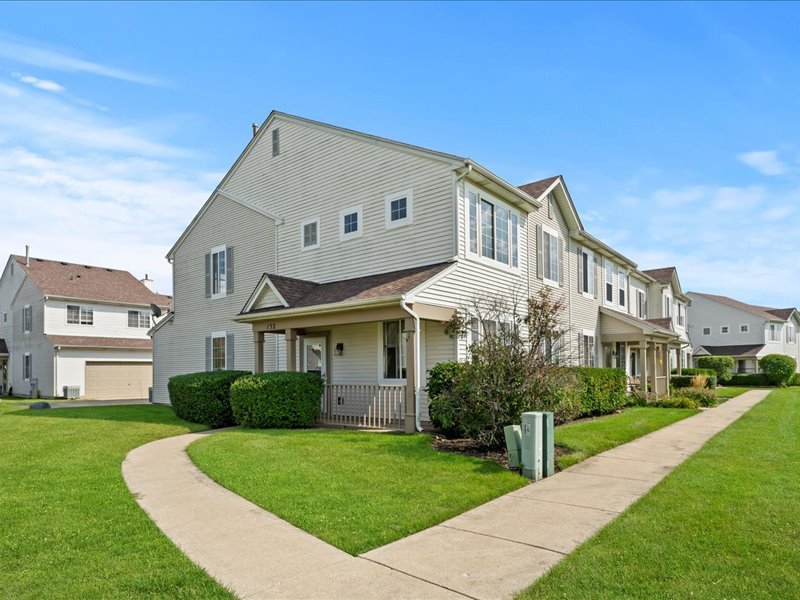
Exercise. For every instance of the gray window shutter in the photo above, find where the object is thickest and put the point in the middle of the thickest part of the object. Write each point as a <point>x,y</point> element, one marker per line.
<point>596,278</point>
<point>229,363</point>
<point>229,270</point>
<point>209,365</point>
<point>208,275</point>
<point>580,270</point>
<point>580,348</point>
<point>561,263</point>
<point>549,206</point>
<point>539,252</point>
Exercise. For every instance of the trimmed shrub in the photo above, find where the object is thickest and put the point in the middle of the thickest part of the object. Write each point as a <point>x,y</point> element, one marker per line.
<point>778,368</point>
<point>795,380</point>
<point>688,380</point>
<point>602,390</point>
<point>722,365</point>
<point>640,398</point>
<point>703,397</point>
<point>748,380</point>
<point>204,397</point>
<point>279,400</point>
<point>695,371</point>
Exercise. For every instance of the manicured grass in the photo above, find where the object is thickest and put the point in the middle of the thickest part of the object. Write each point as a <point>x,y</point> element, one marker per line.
<point>725,524</point>
<point>592,436</point>
<point>355,490</point>
<point>70,527</point>
<point>731,392</point>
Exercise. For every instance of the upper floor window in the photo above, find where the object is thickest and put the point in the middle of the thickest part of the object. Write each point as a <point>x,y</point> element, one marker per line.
<point>350,222</point>
<point>309,234</point>
<point>706,330</point>
<point>609,282</point>
<point>5,317</point>
<point>622,282</point>
<point>586,272</point>
<point>550,256</point>
<point>219,272</point>
<point>667,310</point>
<point>641,304</point>
<point>80,315</point>
<point>681,315</point>
<point>551,206</point>
<point>27,317</point>
<point>276,142</point>
<point>394,350</point>
<point>724,329</point>
<point>744,328</point>
<point>138,318</point>
<point>790,334</point>
<point>774,332</point>
<point>495,228</point>
<point>399,209</point>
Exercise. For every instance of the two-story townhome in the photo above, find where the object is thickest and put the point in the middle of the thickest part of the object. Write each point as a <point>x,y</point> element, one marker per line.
<point>722,326</point>
<point>75,330</point>
<point>332,251</point>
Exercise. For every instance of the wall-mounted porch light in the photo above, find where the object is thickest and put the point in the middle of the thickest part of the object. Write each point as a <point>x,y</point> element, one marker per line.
<point>339,349</point>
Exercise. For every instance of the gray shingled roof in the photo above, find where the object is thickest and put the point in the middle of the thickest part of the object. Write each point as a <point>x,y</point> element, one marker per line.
<point>737,350</point>
<point>537,188</point>
<point>662,276</point>
<point>100,342</point>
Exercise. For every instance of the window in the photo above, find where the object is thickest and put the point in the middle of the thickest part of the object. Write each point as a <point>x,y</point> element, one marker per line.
<point>706,330</point>
<point>309,234</point>
<point>551,262</point>
<point>218,272</point>
<point>586,349</point>
<point>218,354</point>
<point>351,222</point>
<point>27,317</point>
<point>774,332</point>
<point>5,317</point>
<point>790,334</point>
<point>622,282</point>
<point>609,282</point>
<point>587,272</point>
<point>399,209</point>
<point>641,304</point>
<point>551,206</point>
<point>744,328</point>
<point>80,315</point>
<point>724,329</point>
<point>276,142</point>
<point>495,228</point>
<point>681,315</point>
<point>667,310</point>
<point>27,367</point>
<point>138,318</point>
<point>394,350</point>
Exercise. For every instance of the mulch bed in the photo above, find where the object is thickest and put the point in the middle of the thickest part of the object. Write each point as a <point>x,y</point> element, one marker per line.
<point>469,447</point>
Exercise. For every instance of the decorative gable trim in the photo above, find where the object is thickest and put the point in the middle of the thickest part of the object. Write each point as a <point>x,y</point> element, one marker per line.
<point>264,285</point>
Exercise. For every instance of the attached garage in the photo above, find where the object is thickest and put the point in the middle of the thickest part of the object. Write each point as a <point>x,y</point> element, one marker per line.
<point>118,380</point>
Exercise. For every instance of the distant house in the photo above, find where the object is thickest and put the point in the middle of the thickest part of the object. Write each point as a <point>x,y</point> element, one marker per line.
<point>333,251</point>
<point>722,326</point>
<point>79,327</point>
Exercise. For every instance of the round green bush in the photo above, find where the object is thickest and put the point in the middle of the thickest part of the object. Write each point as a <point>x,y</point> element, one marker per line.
<point>279,400</point>
<point>778,368</point>
<point>722,365</point>
<point>204,397</point>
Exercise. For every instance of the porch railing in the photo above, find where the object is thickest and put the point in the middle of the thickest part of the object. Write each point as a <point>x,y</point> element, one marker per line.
<point>363,405</point>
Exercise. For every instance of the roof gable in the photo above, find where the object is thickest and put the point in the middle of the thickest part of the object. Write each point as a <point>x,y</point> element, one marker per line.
<point>555,185</point>
<point>743,306</point>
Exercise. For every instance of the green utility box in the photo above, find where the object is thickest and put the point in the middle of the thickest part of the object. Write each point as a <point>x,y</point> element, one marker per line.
<point>513,435</point>
<point>538,449</point>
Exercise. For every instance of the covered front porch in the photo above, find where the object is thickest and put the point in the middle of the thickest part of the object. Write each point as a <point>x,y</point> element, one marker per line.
<point>372,352</point>
<point>643,349</point>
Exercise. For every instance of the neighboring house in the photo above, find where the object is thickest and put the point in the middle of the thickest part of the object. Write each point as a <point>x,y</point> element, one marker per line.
<point>72,326</point>
<point>328,250</point>
<point>722,326</point>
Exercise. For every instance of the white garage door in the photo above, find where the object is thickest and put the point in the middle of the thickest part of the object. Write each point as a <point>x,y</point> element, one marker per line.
<point>118,380</point>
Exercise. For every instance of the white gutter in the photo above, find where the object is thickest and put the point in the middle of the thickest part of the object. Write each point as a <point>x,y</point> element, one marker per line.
<point>316,309</point>
<point>417,359</point>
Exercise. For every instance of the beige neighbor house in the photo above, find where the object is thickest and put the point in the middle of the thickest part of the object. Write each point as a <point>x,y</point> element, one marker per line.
<point>722,326</point>
<point>75,330</point>
<point>333,251</point>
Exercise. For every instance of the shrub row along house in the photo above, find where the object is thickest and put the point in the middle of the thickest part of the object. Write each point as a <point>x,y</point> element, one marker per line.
<point>328,250</point>
<point>722,326</point>
<point>75,330</point>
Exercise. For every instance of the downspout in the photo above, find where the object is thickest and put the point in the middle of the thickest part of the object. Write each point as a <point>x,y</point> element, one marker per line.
<point>417,360</point>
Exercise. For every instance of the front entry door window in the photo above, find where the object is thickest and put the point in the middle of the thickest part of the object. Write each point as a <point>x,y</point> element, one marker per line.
<point>314,360</point>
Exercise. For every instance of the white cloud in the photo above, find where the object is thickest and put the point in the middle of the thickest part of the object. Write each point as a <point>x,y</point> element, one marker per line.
<point>765,162</point>
<point>42,84</point>
<point>778,213</point>
<point>30,53</point>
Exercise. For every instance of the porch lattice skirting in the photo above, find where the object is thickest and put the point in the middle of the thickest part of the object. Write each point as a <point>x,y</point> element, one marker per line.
<point>366,406</point>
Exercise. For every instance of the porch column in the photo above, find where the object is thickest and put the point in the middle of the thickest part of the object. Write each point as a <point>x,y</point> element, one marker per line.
<point>680,360</point>
<point>643,367</point>
<point>291,350</point>
<point>654,370</point>
<point>258,343</point>
<point>667,367</point>
<point>411,362</point>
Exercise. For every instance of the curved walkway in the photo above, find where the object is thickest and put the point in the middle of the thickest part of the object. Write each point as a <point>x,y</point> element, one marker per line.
<point>491,551</point>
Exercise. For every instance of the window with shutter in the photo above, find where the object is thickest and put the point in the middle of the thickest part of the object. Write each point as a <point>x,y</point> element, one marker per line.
<point>217,273</point>
<point>276,142</point>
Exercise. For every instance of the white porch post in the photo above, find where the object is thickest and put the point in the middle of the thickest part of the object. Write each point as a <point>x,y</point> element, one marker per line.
<point>411,362</point>
<point>654,370</point>
<point>667,368</point>
<point>291,350</point>
<point>258,343</point>
<point>643,366</point>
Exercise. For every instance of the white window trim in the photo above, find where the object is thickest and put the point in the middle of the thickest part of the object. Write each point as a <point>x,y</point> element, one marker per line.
<point>217,335</point>
<point>223,289</point>
<point>303,224</point>
<point>721,327</point>
<point>590,280</point>
<point>27,321</point>
<point>791,328</point>
<point>479,257</point>
<point>81,309</point>
<point>744,328</point>
<point>614,270</point>
<point>555,233</point>
<point>592,334</point>
<point>381,379</point>
<point>409,219</point>
<point>27,355</point>
<point>359,210</point>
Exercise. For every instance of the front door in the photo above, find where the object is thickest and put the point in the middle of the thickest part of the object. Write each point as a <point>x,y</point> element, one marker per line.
<point>314,359</point>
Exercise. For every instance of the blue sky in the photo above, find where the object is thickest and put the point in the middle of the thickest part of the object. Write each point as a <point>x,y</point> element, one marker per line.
<point>675,125</point>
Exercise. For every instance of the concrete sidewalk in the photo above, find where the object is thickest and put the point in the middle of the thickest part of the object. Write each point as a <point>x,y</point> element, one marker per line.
<point>491,551</point>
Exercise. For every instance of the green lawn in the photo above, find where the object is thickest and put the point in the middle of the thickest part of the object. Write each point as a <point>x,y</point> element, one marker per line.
<point>355,490</point>
<point>70,527</point>
<point>731,392</point>
<point>587,438</point>
<point>725,524</point>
